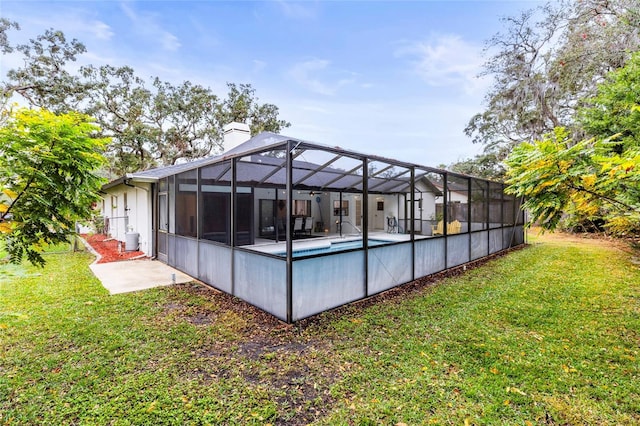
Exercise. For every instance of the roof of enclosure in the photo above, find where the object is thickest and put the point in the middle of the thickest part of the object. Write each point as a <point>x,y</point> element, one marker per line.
<point>262,162</point>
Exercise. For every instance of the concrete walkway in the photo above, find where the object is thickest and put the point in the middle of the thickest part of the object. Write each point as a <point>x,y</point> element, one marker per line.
<point>134,275</point>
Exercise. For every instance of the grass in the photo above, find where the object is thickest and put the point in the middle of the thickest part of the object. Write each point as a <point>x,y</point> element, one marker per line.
<point>546,335</point>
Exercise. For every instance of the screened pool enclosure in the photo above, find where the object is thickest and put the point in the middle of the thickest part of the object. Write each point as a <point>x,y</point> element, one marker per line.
<point>296,228</point>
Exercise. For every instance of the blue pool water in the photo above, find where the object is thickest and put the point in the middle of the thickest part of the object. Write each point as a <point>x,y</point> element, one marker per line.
<point>334,247</point>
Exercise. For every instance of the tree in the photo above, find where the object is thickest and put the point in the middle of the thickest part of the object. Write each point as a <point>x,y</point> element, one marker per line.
<point>45,81</point>
<point>546,63</point>
<point>6,25</point>
<point>488,165</point>
<point>48,175</point>
<point>594,181</point>
<point>149,126</point>
<point>184,120</point>
<point>613,109</point>
<point>167,123</point>
<point>241,105</point>
<point>583,182</point>
<point>120,103</point>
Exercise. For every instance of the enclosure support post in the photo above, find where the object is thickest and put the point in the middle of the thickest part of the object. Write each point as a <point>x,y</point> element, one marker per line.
<point>413,220</point>
<point>469,215</point>
<point>445,216</point>
<point>340,217</point>
<point>488,219</point>
<point>502,215</point>
<point>275,217</point>
<point>198,221</point>
<point>232,220</point>
<point>289,236</point>
<point>365,222</point>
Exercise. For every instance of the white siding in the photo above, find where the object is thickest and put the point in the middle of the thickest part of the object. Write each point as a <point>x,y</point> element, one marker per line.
<point>136,215</point>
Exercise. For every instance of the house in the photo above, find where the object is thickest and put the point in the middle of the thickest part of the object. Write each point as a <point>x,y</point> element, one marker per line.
<point>296,228</point>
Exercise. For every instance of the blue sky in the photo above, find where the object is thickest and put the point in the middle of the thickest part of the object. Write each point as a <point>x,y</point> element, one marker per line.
<point>397,79</point>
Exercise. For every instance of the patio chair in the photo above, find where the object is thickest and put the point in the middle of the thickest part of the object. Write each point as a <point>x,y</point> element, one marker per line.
<point>454,227</point>
<point>438,230</point>
<point>308,224</point>
<point>297,226</point>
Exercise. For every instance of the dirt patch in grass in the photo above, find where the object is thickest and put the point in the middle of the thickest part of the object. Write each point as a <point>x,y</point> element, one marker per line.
<point>264,353</point>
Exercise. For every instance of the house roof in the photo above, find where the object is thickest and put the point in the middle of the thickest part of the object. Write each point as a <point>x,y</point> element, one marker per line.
<point>259,142</point>
<point>315,166</point>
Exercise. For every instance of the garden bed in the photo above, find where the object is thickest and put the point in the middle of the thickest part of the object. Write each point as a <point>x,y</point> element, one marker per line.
<point>109,249</point>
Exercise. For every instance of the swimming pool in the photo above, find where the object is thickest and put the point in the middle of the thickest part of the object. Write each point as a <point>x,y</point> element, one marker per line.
<point>334,247</point>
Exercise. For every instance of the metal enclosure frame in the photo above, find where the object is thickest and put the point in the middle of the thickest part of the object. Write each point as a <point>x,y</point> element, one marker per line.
<point>296,284</point>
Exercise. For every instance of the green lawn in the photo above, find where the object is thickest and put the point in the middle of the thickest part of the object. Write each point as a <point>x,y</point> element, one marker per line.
<point>546,335</point>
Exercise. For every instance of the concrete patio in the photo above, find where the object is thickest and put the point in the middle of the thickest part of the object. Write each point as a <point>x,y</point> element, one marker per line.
<point>134,275</point>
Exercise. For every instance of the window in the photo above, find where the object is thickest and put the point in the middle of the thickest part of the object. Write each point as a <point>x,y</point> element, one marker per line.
<point>302,207</point>
<point>338,211</point>
<point>163,220</point>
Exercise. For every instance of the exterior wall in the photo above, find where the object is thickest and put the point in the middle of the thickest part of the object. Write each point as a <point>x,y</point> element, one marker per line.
<point>330,223</point>
<point>428,202</point>
<point>456,197</point>
<point>378,218</point>
<point>135,215</point>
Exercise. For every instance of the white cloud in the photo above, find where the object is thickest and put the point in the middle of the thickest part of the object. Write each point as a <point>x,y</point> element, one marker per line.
<point>447,60</point>
<point>258,65</point>
<point>297,9</point>
<point>100,30</point>
<point>73,22</point>
<point>104,58</point>
<point>167,72</point>
<point>169,41</point>
<point>308,74</point>
<point>304,74</point>
<point>146,25</point>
